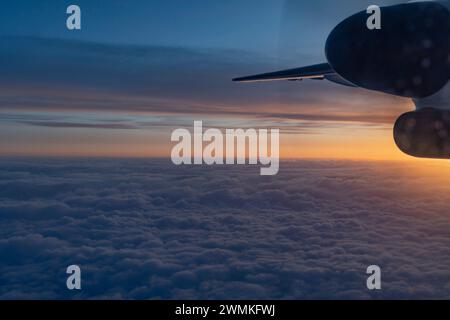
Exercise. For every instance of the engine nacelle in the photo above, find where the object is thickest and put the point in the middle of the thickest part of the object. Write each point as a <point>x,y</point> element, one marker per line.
<point>424,133</point>
<point>408,56</point>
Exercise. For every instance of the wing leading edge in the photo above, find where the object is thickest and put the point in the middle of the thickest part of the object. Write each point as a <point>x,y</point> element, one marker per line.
<point>317,71</point>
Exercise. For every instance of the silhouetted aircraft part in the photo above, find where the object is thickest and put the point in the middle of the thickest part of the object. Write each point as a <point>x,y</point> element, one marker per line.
<point>408,57</point>
<point>339,80</point>
<point>424,133</point>
<point>318,71</point>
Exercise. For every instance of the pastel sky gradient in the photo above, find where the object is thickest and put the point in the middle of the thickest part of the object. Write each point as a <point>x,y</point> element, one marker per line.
<point>138,70</point>
<point>148,229</point>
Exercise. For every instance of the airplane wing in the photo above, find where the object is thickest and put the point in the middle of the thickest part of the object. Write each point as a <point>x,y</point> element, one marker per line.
<point>317,71</point>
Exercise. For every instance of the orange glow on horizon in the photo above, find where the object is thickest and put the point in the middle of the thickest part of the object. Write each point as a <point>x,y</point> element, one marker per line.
<point>339,143</point>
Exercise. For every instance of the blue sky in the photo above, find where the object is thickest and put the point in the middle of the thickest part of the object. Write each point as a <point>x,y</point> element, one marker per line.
<point>227,24</point>
<point>254,25</point>
<point>170,62</point>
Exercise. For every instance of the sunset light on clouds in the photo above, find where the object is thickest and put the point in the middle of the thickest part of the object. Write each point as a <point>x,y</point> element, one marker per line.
<point>89,176</point>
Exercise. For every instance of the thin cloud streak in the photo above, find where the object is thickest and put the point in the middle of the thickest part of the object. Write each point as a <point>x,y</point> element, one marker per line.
<point>67,76</point>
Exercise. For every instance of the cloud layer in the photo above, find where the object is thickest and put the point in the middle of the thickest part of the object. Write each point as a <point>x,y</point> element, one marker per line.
<point>145,229</point>
<point>69,75</point>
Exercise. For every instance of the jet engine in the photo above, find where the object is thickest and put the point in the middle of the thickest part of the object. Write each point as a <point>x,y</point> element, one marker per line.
<point>424,133</point>
<point>408,56</point>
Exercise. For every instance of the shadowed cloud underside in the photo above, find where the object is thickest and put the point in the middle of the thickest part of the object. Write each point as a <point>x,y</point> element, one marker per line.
<point>143,229</point>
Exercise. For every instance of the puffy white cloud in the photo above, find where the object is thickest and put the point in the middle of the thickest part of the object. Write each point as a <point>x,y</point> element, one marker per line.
<point>147,229</point>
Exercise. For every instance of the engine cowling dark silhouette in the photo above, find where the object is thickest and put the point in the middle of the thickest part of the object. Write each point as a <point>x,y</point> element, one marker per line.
<point>424,134</point>
<point>408,56</point>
